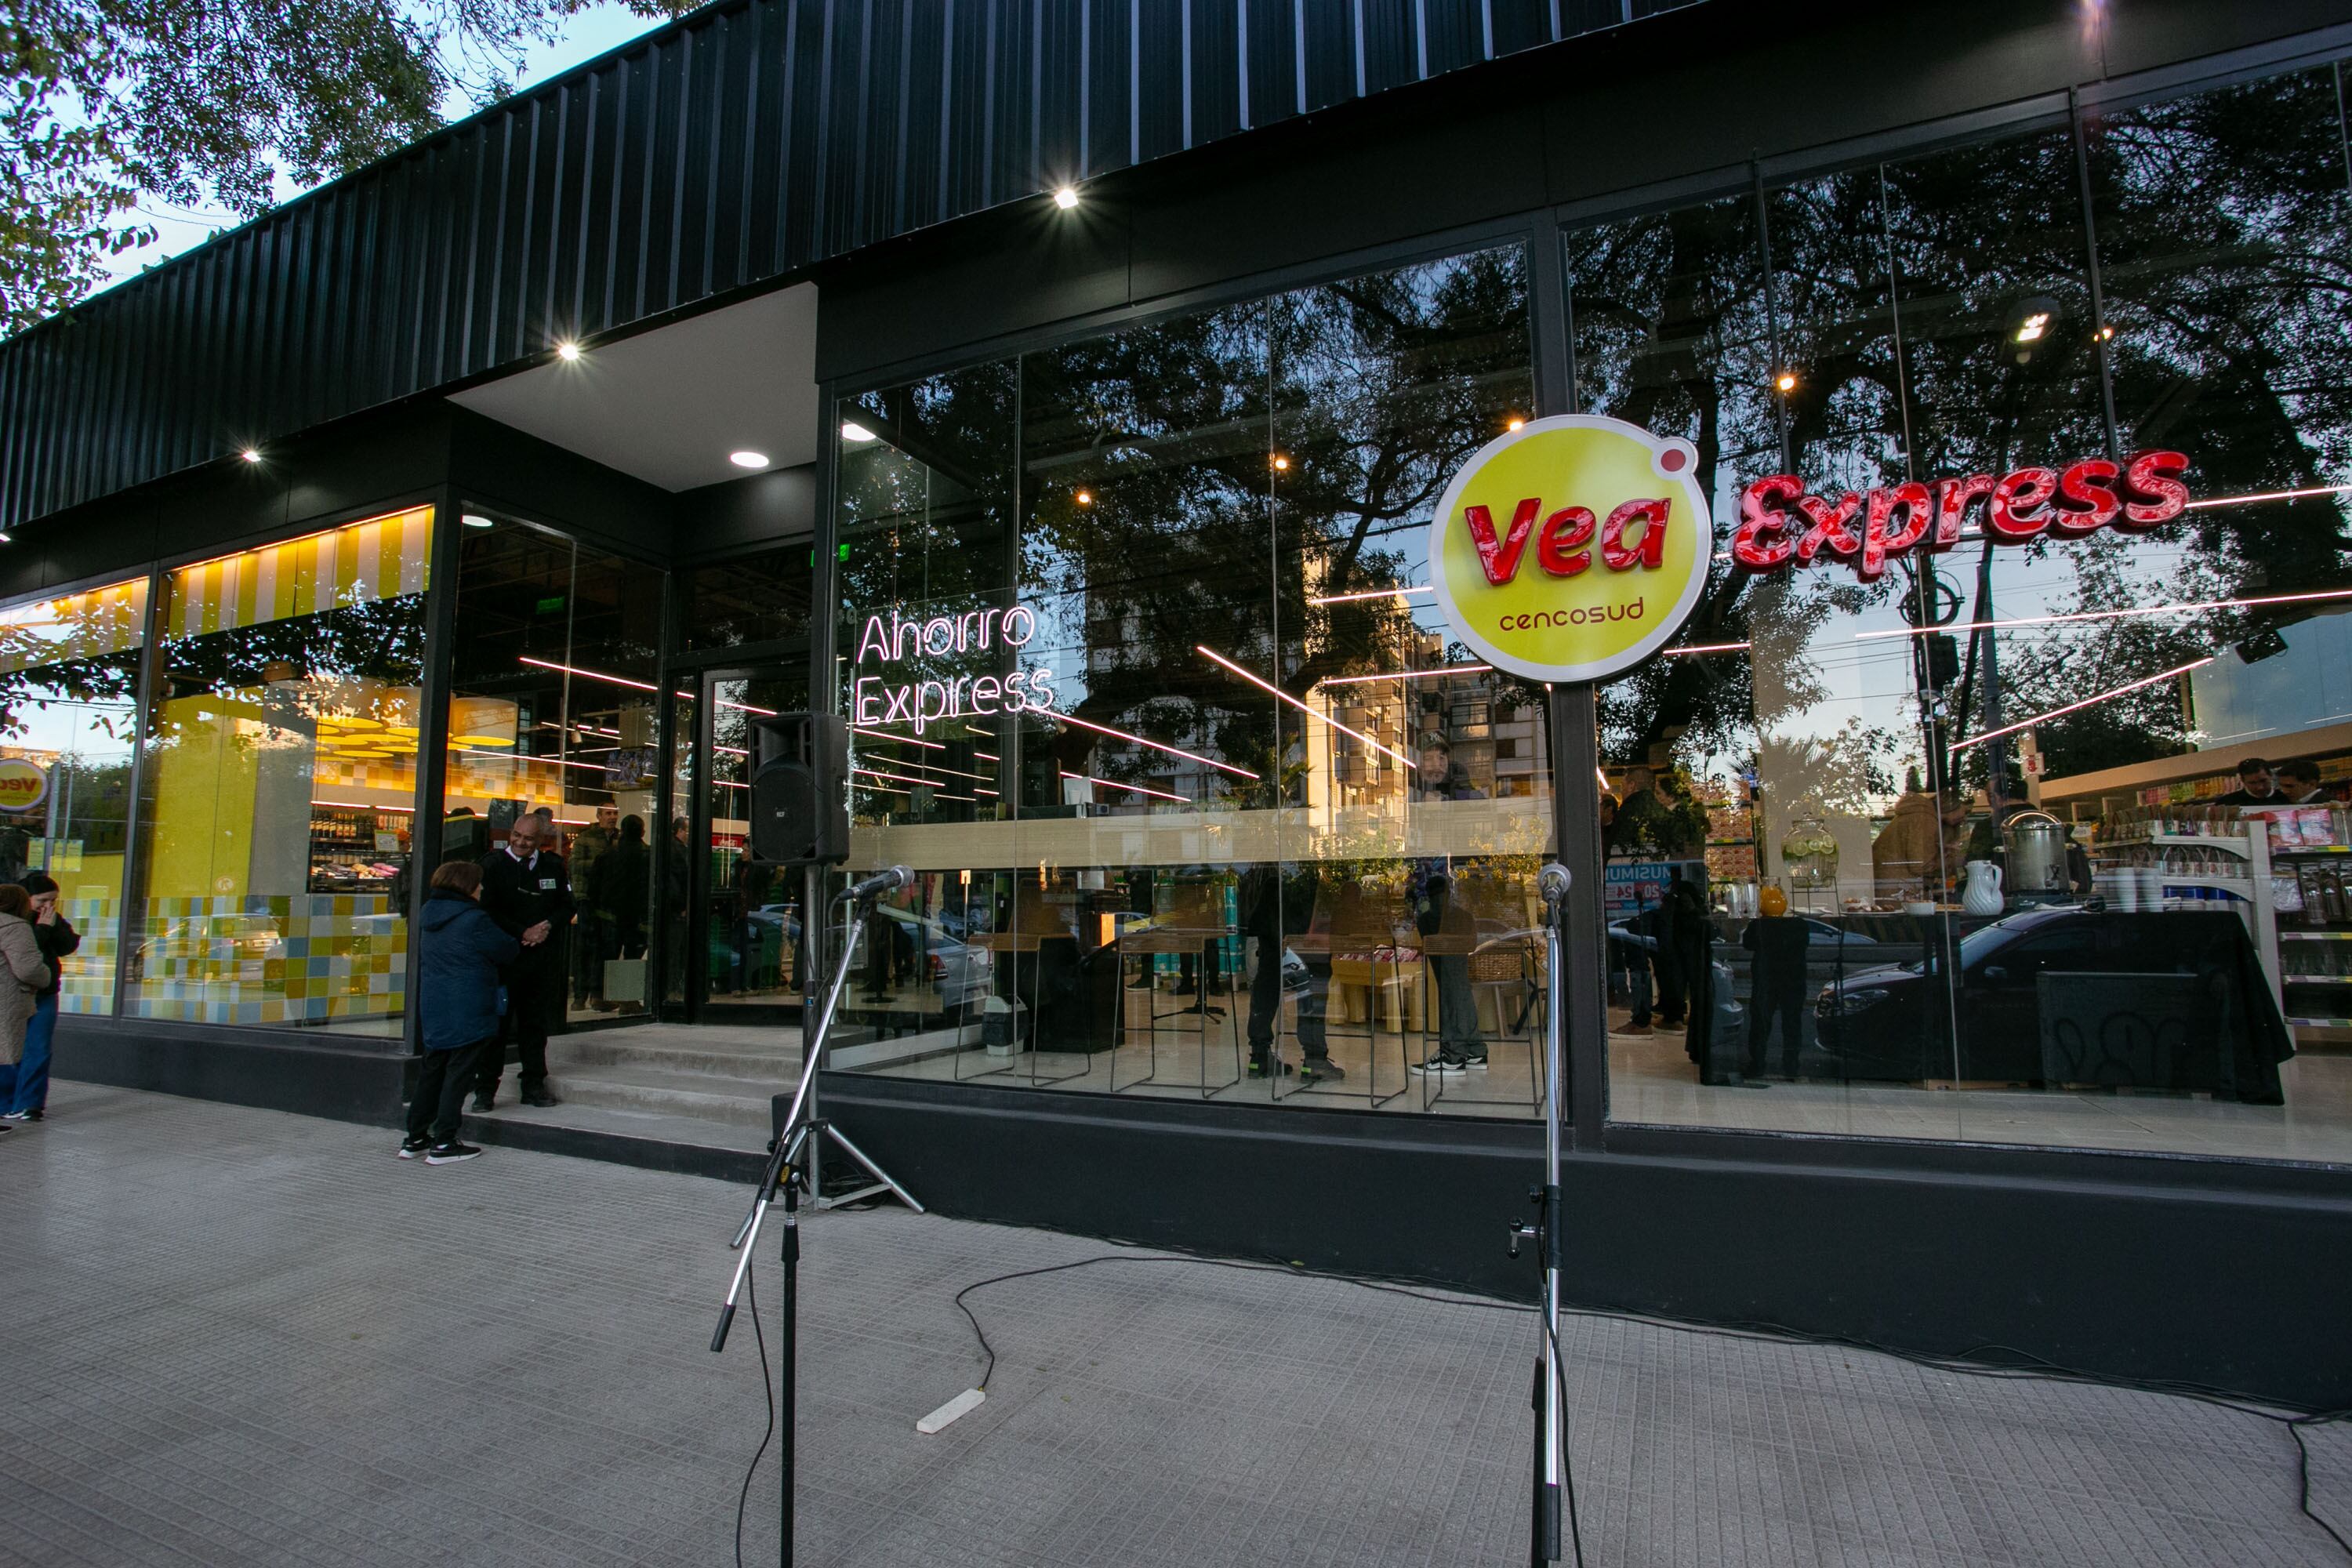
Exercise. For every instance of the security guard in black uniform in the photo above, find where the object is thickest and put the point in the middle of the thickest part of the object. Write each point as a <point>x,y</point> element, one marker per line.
<point>526,891</point>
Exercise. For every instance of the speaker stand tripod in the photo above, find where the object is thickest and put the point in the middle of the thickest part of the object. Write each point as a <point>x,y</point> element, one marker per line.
<point>786,1176</point>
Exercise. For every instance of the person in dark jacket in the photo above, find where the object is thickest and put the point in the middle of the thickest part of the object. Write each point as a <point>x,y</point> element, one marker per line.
<point>526,890</point>
<point>55,937</point>
<point>459,953</point>
<point>617,887</point>
<point>1460,1046</point>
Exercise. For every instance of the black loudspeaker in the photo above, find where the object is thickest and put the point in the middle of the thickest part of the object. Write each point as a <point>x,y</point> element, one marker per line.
<point>800,794</point>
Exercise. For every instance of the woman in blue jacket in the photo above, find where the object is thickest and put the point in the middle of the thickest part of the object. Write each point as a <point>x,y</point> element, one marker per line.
<point>459,950</point>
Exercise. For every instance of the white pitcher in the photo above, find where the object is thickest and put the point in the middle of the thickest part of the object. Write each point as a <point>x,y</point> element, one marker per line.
<point>1982,895</point>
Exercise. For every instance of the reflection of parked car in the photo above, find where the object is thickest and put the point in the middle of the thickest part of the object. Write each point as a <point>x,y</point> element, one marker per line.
<point>958,972</point>
<point>1819,932</point>
<point>1901,1021</point>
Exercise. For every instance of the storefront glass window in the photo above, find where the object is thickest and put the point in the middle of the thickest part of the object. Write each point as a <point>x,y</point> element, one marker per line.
<point>281,785</point>
<point>554,706</point>
<point>1940,795</point>
<point>1148,688</point>
<point>69,672</point>
<point>756,598</point>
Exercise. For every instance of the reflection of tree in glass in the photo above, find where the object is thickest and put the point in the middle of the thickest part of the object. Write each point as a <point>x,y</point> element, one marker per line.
<point>2226,281</point>
<point>379,640</point>
<point>1380,387</point>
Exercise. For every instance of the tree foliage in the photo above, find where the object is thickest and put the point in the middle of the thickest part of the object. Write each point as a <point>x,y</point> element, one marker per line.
<point>220,102</point>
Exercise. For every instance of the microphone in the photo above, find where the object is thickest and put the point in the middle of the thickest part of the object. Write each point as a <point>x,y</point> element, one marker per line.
<point>884,882</point>
<point>1553,881</point>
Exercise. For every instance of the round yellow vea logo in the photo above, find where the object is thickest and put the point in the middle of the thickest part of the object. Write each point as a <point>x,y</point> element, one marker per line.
<point>23,785</point>
<point>1572,548</point>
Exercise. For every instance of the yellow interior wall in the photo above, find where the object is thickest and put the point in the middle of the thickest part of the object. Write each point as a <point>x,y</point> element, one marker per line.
<point>203,802</point>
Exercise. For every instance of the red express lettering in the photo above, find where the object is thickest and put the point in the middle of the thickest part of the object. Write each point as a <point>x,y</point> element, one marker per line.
<point>1781,523</point>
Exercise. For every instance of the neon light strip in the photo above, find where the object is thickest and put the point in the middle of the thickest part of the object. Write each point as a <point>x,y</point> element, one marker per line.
<point>902,740</point>
<point>1407,673</point>
<point>1155,745</point>
<point>1114,784</point>
<point>2270,495</point>
<point>988,756</point>
<point>1375,594</point>
<point>902,778</point>
<point>965,798</point>
<point>1302,707</point>
<point>2070,707</point>
<point>2116,614</point>
<point>938,768</point>
<point>886,789</point>
<point>365,805</point>
<point>1710,648</point>
<point>590,674</point>
<point>983,791</point>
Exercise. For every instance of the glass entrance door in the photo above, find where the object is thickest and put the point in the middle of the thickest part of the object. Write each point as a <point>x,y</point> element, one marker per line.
<point>745,950</point>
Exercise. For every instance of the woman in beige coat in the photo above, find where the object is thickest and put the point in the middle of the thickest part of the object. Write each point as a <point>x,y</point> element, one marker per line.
<point>22,974</point>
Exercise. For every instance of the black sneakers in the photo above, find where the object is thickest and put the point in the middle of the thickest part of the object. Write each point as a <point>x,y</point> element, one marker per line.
<point>482,1103</point>
<point>539,1098</point>
<point>1450,1059</point>
<point>1321,1069</point>
<point>412,1147</point>
<point>451,1153</point>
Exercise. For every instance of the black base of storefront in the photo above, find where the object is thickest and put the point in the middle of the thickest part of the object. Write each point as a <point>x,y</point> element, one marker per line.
<point>260,1067</point>
<point>2217,1273</point>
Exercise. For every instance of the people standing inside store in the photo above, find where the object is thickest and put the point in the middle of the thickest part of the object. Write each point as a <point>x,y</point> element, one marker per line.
<point>57,940</point>
<point>24,975</point>
<point>1460,1046</point>
<point>460,956</point>
<point>1273,909</point>
<point>2298,782</point>
<point>592,932</point>
<point>615,885</point>
<point>675,895</point>
<point>2255,785</point>
<point>526,892</point>
<point>1777,983</point>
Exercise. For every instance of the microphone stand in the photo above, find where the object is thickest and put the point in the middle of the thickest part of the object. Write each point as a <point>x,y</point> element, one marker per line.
<point>786,1176</point>
<point>1550,1445</point>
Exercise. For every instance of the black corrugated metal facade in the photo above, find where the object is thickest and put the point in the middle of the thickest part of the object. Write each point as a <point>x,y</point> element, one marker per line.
<point>753,139</point>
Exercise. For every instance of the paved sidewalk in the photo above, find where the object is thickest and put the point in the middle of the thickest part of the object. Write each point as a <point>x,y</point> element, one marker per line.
<point>241,1337</point>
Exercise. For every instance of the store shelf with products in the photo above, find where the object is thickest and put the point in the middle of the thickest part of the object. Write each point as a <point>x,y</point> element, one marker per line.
<point>2181,857</point>
<point>358,848</point>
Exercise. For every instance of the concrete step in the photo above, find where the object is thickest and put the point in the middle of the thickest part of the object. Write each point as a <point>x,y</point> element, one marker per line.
<point>652,1126</point>
<point>736,1102</point>
<point>780,1058</point>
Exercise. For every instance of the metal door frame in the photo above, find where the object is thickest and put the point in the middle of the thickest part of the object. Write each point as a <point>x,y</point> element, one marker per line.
<point>786,666</point>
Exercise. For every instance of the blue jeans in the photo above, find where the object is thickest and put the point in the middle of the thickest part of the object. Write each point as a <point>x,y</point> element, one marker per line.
<point>31,1076</point>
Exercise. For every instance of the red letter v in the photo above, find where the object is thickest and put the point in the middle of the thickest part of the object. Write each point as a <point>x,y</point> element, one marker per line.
<point>1501,560</point>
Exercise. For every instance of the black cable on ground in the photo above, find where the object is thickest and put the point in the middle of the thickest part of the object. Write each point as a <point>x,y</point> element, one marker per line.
<point>2027,1366</point>
<point>1567,1468</point>
<point>768,1388</point>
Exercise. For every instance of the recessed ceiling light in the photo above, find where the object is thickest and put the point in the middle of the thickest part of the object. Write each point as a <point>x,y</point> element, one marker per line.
<point>1066,197</point>
<point>476,520</point>
<point>748,459</point>
<point>567,350</point>
<point>853,431</point>
<point>251,453</point>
